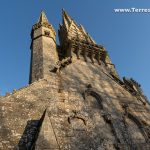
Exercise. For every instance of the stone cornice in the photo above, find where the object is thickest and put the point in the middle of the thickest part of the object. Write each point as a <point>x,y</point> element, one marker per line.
<point>43,24</point>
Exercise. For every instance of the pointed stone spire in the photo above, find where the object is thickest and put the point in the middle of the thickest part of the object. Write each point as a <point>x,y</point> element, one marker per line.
<point>46,137</point>
<point>87,34</point>
<point>66,19</point>
<point>43,18</point>
<point>83,29</point>
<point>66,16</point>
<point>91,39</point>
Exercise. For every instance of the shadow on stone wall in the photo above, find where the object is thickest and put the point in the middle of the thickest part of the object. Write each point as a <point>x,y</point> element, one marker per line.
<point>29,135</point>
<point>83,77</point>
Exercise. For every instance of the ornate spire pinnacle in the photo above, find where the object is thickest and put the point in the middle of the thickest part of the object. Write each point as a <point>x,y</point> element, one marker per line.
<point>66,19</point>
<point>66,16</point>
<point>43,21</point>
<point>43,18</point>
<point>87,34</point>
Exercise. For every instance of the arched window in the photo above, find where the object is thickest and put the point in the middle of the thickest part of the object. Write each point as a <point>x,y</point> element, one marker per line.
<point>94,98</point>
<point>93,101</point>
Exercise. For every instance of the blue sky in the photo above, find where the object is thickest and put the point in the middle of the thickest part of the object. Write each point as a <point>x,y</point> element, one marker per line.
<point>126,36</point>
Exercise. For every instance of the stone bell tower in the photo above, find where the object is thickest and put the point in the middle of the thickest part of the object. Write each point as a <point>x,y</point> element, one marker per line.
<point>43,49</point>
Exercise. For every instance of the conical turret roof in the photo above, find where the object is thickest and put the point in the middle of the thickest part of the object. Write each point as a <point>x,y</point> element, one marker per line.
<point>43,18</point>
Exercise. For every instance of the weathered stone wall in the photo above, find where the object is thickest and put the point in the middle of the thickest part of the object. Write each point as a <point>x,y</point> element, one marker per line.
<point>112,99</point>
<point>36,66</point>
<point>23,106</point>
<point>81,116</point>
